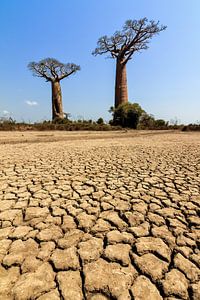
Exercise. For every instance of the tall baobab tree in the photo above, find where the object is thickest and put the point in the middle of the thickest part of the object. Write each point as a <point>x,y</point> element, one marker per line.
<point>134,37</point>
<point>54,71</point>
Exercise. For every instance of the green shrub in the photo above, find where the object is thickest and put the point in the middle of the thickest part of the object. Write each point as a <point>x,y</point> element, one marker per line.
<point>149,122</point>
<point>127,115</point>
<point>49,125</point>
<point>100,121</point>
<point>146,121</point>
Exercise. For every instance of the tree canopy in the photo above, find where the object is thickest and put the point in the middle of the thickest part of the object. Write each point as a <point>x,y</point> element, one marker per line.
<point>134,36</point>
<point>52,69</point>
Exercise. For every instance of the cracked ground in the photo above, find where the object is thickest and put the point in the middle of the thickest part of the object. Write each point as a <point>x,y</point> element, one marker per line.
<point>99,218</point>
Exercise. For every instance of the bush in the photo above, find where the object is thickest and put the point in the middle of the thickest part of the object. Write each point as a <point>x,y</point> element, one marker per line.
<point>49,125</point>
<point>146,121</point>
<point>7,123</point>
<point>191,127</point>
<point>149,122</point>
<point>100,121</point>
<point>127,115</point>
<point>65,120</point>
<point>160,124</point>
<point>185,128</point>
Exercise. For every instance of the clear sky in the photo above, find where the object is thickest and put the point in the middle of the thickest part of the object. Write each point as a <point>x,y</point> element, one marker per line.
<point>164,80</point>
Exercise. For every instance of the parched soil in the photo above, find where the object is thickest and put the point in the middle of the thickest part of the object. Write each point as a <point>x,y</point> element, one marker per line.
<point>99,216</point>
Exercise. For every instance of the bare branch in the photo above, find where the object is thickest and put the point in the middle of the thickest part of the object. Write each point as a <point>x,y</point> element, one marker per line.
<point>38,70</point>
<point>52,70</point>
<point>134,36</point>
<point>68,69</point>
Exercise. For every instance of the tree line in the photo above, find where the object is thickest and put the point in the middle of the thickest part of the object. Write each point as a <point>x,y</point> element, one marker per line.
<point>121,46</point>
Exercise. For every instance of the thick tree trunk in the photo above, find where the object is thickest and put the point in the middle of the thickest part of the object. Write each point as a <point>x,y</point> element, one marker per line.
<point>57,108</point>
<point>121,90</point>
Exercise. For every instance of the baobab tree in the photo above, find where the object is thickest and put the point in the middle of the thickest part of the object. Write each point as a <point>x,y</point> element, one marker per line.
<point>54,71</point>
<point>134,37</point>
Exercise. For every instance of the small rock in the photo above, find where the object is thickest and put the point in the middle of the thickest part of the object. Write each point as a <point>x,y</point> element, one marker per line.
<point>164,233</point>
<point>68,223</point>
<point>196,258</point>
<point>5,232</point>
<point>141,230</point>
<point>118,253</point>
<point>85,221</point>
<point>57,211</point>
<point>121,205</point>
<point>140,207</point>
<point>6,204</point>
<point>65,259</point>
<point>196,291</point>
<point>106,206</point>
<point>36,212</point>
<point>10,214</point>
<point>155,219</point>
<point>108,278</point>
<point>143,289</point>
<point>4,246</point>
<point>98,195</point>
<point>9,196</point>
<point>185,241</point>
<point>100,226</point>
<point>175,283</point>
<point>70,285</point>
<point>30,264</point>
<point>134,218</point>
<point>194,220</point>
<point>21,231</point>
<point>71,238</point>
<point>187,267</point>
<point>52,233</point>
<point>7,280</point>
<point>115,236</point>
<point>154,245</point>
<point>167,212</point>
<point>186,251</point>
<point>151,265</point>
<point>90,250</point>
<point>52,295</point>
<point>19,250</point>
<point>114,218</point>
<point>46,249</point>
<point>32,285</point>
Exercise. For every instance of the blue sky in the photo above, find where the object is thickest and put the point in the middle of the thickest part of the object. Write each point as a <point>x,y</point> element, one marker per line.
<point>164,80</point>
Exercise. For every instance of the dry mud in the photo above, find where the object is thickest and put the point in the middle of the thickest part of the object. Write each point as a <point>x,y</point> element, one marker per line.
<point>96,216</point>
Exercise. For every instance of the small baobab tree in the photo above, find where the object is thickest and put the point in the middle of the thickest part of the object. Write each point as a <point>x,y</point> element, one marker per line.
<point>134,37</point>
<point>54,71</point>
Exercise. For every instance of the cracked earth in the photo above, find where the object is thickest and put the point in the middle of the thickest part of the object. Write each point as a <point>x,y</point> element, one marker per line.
<point>100,218</point>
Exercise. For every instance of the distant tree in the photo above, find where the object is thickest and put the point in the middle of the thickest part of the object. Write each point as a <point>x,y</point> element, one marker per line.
<point>134,37</point>
<point>146,121</point>
<point>127,115</point>
<point>100,121</point>
<point>54,71</point>
<point>161,124</point>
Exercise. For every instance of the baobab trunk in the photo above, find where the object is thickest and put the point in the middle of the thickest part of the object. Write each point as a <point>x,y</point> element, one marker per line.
<point>121,90</point>
<point>57,108</point>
